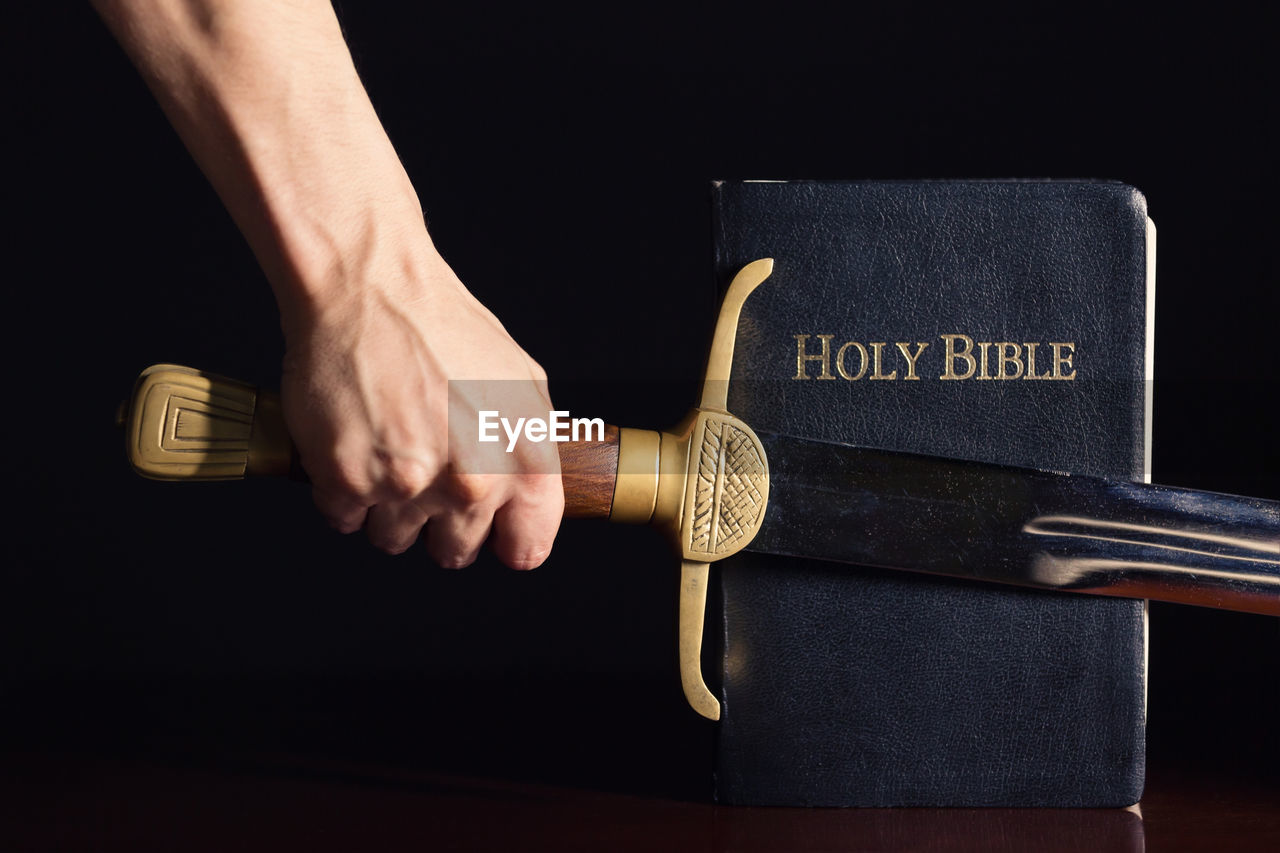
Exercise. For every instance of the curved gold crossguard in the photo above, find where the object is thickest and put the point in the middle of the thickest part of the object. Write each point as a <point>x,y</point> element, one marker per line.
<point>704,483</point>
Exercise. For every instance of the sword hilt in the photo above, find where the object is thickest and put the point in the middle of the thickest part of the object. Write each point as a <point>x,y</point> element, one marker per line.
<point>705,483</point>
<point>187,424</point>
<point>190,425</point>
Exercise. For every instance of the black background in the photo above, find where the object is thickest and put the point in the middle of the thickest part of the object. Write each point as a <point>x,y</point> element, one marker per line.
<point>564,158</point>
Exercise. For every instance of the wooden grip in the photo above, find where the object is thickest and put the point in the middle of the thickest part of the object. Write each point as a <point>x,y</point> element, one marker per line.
<point>185,424</point>
<point>589,470</point>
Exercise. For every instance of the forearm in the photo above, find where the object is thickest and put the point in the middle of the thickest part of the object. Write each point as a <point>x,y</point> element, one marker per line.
<point>266,98</point>
<point>377,326</point>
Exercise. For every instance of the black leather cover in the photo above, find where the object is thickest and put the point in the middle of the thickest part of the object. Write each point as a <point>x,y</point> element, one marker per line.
<point>855,687</point>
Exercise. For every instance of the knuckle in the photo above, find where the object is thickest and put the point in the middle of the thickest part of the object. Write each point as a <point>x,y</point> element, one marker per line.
<point>453,551</point>
<point>539,493</point>
<point>536,460</point>
<point>348,478</point>
<point>454,559</point>
<point>406,478</point>
<point>470,489</point>
<point>342,513</point>
<point>344,525</point>
<point>390,543</point>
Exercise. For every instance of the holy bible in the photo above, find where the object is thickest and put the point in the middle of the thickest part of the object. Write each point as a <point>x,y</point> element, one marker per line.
<point>1001,321</point>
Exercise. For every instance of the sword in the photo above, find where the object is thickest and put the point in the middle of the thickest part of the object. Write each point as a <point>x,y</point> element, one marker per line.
<point>716,487</point>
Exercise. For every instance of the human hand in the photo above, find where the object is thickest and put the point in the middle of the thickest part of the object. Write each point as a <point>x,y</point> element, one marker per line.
<point>376,324</point>
<point>383,379</point>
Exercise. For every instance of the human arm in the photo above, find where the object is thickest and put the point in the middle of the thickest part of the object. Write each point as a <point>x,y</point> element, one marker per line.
<point>376,324</point>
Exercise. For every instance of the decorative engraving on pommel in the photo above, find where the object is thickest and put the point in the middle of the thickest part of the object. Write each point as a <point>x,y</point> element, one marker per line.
<point>188,425</point>
<point>185,424</point>
<point>728,488</point>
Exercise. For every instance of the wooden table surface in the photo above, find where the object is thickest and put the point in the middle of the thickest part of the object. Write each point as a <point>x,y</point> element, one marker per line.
<point>263,801</point>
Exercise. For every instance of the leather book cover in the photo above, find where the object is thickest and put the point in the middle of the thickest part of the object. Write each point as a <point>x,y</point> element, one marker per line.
<point>1003,321</point>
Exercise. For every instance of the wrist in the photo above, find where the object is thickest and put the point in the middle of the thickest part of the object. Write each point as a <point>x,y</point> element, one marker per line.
<point>267,100</point>
<point>320,246</point>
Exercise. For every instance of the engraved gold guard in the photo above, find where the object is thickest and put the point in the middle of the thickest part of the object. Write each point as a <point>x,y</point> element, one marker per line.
<point>704,483</point>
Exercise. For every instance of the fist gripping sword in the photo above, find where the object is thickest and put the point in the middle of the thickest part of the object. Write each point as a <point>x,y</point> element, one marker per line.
<point>715,487</point>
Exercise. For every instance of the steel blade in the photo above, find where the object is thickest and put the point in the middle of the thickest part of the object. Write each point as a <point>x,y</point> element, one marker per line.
<point>1019,526</point>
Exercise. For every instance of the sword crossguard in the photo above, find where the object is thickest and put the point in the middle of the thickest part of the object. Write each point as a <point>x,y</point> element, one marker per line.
<point>704,483</point>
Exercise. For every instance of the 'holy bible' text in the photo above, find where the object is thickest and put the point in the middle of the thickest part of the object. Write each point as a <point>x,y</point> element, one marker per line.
<point>961,357</point>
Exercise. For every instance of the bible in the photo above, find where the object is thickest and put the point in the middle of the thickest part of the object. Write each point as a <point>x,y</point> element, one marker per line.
<point>999,321</point>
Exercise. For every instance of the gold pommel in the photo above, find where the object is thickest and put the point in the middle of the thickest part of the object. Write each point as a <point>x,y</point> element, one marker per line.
<point>185,424</point>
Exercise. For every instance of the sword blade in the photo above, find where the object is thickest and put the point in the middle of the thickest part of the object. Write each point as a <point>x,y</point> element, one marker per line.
<point>1020,526</point>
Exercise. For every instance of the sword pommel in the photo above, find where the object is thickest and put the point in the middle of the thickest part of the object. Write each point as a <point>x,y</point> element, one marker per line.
<point>185,424</point>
